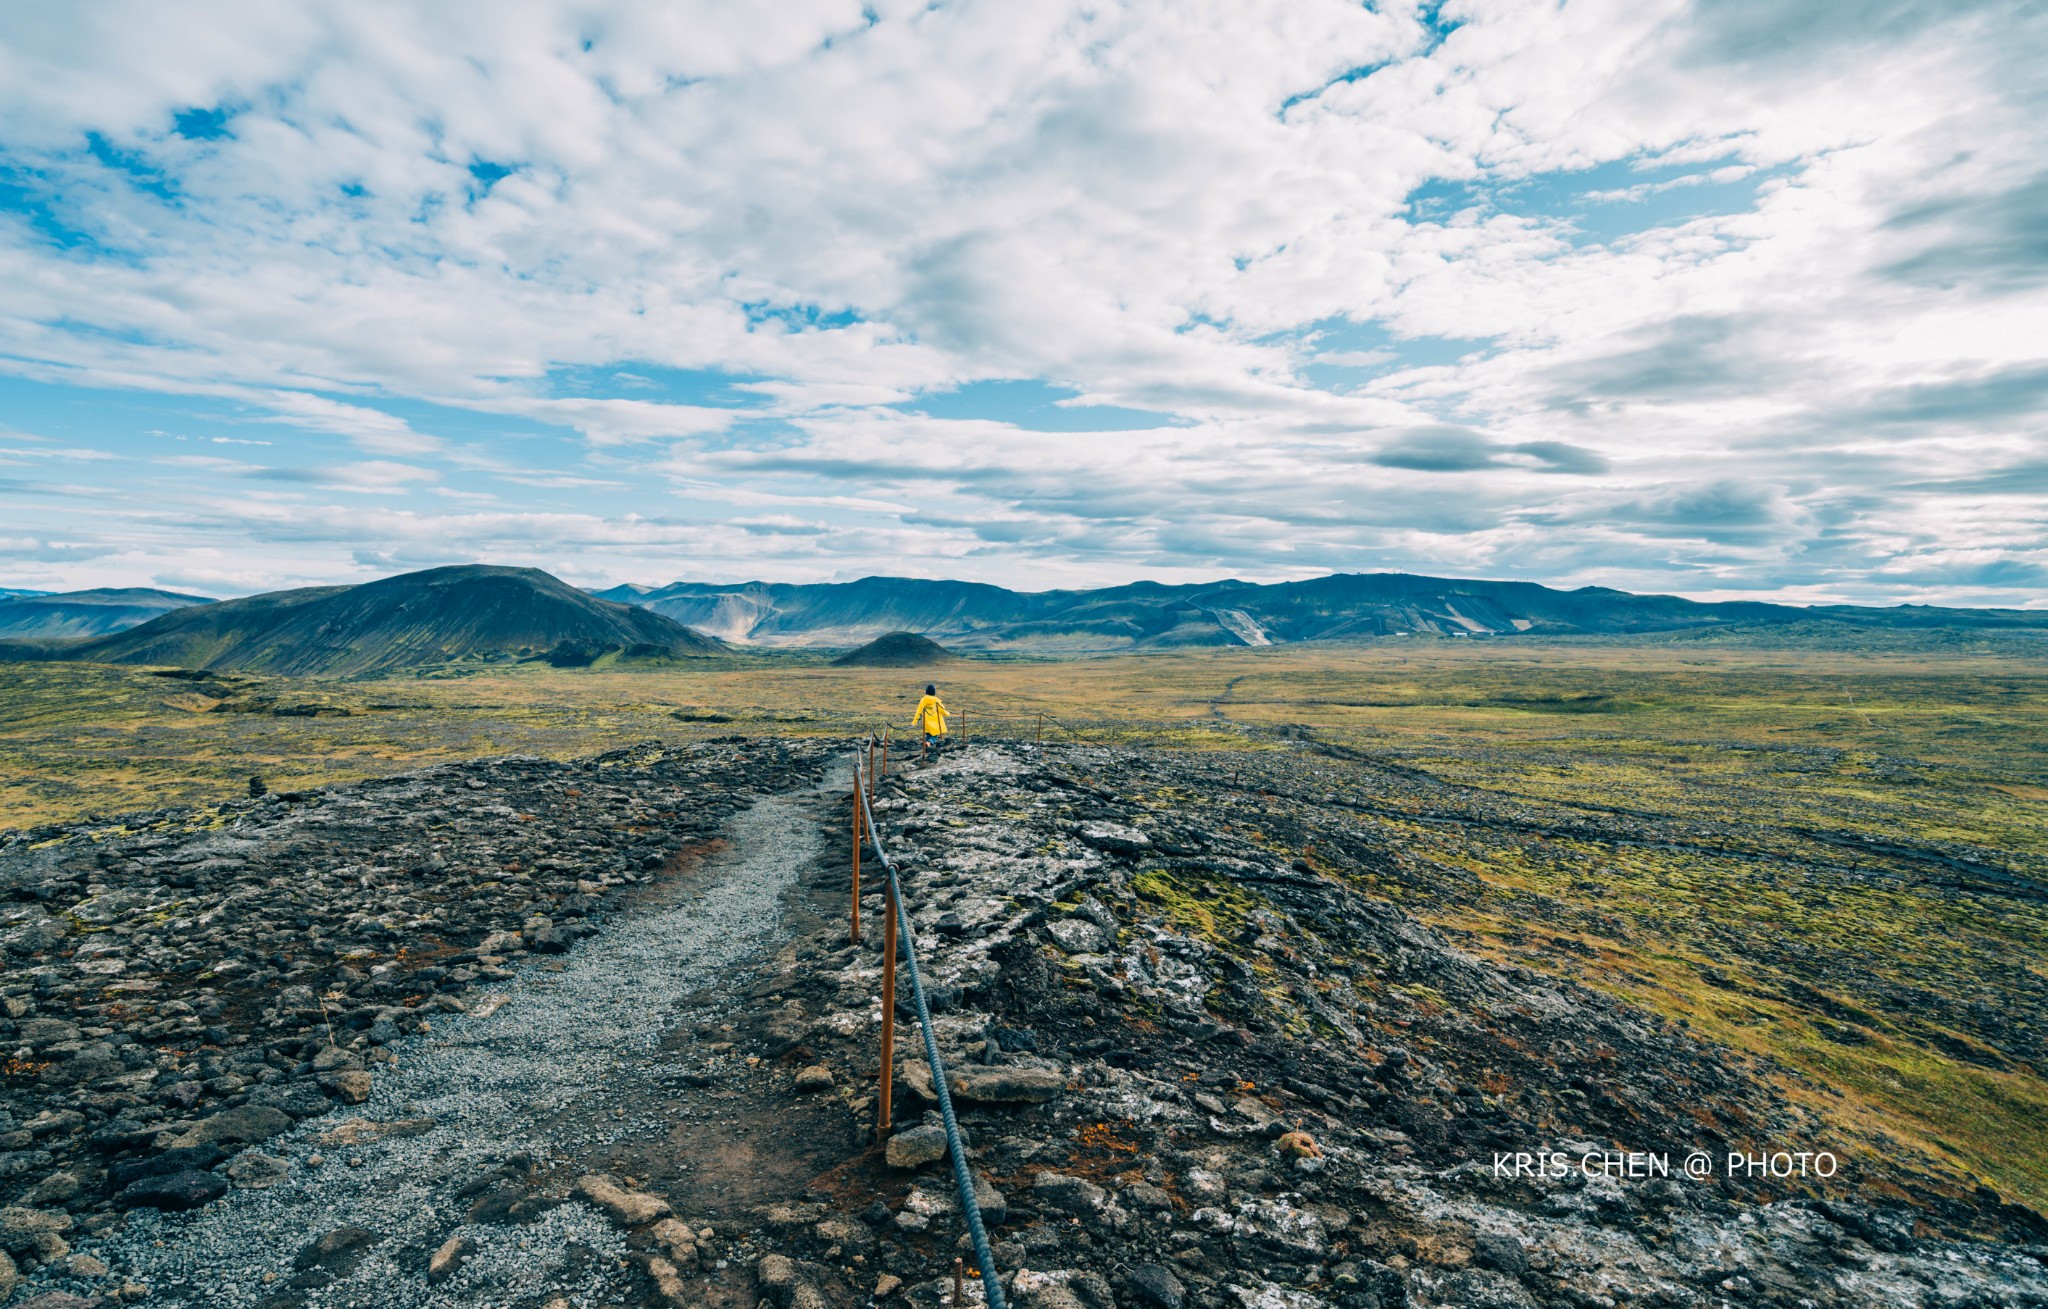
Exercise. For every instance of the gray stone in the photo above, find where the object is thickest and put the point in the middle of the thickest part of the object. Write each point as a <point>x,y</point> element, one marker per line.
<point>1115,838</point>
<point>251,1171</point>
<point>815,1078</point>
<point>448,1260</point>
<point>1005,1084</point>
<point>338,1250</point>
<point>1498,1251</point>
<point>187,1189</point>
<point>914,1147</point>
<point>1155,1285</point>
<point>1144,1195</point>
<point>627,1208</point>
<point>350,1086</point>
<point>1073,1195</point>
<point>1076,936</point>
<point>792,1284</point>
<point>249,1123</point>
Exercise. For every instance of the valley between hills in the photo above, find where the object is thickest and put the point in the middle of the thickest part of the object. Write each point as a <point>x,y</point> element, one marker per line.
<point>1424,901</point>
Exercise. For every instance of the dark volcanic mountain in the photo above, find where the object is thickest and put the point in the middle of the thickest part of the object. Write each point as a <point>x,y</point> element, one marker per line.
<point>431,617</point>
<point>1150,615</point>
<point>896,650</point>
<point>86,613</point>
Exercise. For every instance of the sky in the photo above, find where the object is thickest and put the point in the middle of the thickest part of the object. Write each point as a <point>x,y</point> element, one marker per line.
<point>1726,299</point>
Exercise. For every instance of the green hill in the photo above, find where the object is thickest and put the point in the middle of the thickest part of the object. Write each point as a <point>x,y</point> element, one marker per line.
<point>442,615</point>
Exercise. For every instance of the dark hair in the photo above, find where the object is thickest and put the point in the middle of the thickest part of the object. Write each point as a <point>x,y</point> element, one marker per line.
<point>930,689</point>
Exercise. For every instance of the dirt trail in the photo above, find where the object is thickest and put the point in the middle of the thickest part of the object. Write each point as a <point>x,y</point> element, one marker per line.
<point>614,1056</point>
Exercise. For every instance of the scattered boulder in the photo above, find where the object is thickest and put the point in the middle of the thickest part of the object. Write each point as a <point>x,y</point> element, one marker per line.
<point>1076,936</point>
<point>817,1077</point>
<point>917,1146</point>
<point>677,1240</point>
<point>249,1123</point>
<point>1004,1084</point>
<point>1156,1286</point>
<point>350,1086</point>
<point>448,1260</point>
<point>1072,1195</point>
<point>792,1284</point>
<point>186,1189</point>
<point>336,1251</point>
<point>668,1281</point>
<point>251,1171</point>
<point>626,1208</point>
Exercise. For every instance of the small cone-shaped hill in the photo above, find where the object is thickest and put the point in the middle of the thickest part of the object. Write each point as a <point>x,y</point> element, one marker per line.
<point>897,650</point>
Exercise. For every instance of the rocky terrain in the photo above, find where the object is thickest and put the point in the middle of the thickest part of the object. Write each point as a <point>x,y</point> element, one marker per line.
<point>1202,1061</point>
<point>188,985</point>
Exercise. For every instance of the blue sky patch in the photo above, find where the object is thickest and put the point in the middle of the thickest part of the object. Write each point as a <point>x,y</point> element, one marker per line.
<point>1607,202</point>
<point>651,382</point>
<point>1034,406</point>
<point>202,124</point>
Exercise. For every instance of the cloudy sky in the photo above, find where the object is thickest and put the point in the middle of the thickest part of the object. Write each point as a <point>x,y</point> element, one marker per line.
<point>1732,298</point>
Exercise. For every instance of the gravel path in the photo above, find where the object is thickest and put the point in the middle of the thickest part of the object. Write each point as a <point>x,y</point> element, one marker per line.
<point>544,1075</point>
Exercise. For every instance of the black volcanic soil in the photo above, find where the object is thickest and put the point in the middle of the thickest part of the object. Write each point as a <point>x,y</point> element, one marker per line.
<point>1196,1073</point>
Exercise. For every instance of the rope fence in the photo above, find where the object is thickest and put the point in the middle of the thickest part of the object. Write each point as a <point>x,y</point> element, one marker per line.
<point>866,772</point>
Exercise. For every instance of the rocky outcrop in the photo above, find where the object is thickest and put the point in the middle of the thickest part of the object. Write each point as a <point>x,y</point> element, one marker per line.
<point>1210,1075</point>
<point>182,986</point>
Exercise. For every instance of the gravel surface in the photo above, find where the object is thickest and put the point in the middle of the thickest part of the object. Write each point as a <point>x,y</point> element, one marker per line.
<point>542,1076</point>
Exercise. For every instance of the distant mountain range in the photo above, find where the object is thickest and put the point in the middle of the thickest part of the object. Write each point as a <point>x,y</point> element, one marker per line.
<point>442,615</point>
<point>485,613</point>
<point>86,613</point>
<point>1150,615</point>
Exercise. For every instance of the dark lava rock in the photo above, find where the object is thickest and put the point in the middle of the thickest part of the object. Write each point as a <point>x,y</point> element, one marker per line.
<point>338,1250</point>
<point>1155,1285</point>
<point>185,1189</point>
<point>1502,1253</point>
<point>194,1158</point>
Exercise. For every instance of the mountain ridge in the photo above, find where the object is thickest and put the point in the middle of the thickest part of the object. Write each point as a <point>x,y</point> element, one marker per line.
<point>438,615</point>
<point>95,612</point>
<point>1157,615</point>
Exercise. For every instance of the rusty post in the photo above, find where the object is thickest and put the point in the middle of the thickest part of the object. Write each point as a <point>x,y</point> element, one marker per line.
<point>1038,737</point>
<point>856,860</point>
<point>885,753</point>
<point>959,1282</point>
<point>963,729</point>
<point>888,1008</point>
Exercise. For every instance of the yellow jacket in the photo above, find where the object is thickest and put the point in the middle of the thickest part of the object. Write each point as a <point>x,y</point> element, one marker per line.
<point>930,716</point>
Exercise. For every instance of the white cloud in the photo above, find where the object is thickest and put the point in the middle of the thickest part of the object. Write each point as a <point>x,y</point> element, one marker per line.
<point>543,213</point>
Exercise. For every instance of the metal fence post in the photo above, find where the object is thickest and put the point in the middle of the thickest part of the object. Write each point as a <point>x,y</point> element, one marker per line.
<point>956,1149</point>
<point>888,1011</point>
<point>856,858</point>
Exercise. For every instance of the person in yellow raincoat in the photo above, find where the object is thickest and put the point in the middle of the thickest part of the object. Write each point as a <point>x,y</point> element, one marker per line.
<point>930,718</point>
